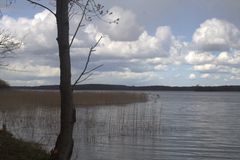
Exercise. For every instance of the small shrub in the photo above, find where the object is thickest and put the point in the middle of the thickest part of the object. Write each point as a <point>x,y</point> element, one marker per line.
<point>15,149</point>
<point>3,84</point>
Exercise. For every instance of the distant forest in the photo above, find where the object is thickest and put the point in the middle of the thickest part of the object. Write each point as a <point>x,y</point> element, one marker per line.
<point>138,88</point>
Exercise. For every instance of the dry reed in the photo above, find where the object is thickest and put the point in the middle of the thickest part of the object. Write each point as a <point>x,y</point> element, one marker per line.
<point>21,98</point>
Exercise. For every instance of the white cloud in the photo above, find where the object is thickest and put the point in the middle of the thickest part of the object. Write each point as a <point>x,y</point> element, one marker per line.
<point>130,53</point>
<point>199,58</point>
<point>39,57</point>
<point>223,57</point>
<point>205,67</point>
<point>28,82</point>
<point>217,35</point>
<point>229,58</point>
<point>215,50</point>
<point>144,47</point>
<point>206,75</point>
<point>126,77</point>
<point>192,76</point>
<point>160,67</point>
<point>126,30</point>
<point>235,77</point>
<point>34,69</point>
<point>210,76</point>
<point>226,63</point>
<point>36,34</point>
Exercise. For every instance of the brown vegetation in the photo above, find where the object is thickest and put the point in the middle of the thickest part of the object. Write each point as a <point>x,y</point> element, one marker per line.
<point>3,84</point>
<point>15,149</point>
<point>21,98</point>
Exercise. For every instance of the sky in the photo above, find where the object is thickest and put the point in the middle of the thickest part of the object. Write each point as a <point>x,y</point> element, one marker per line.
<point>157,42</point>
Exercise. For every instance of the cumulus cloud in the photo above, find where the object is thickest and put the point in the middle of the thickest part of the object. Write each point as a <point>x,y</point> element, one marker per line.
<point>215,50</point>
<point>145,46</point>
<point>130,53</point>
<point>36,34</point>
<point>205,67</point>
<point>194,57</point>
<point>126,30</point>
<point>137,52</point>
<point>223,57</point>
<point>212,76</point>
<point>217,35</point>
<point>225,63</point>
<point>229,58</point>
<point>39,70</point>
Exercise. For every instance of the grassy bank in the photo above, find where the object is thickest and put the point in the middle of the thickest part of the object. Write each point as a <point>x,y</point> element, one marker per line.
<point>15,149</point>
<point>52,98</point>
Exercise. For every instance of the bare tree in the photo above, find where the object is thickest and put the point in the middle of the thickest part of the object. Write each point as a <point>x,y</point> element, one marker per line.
<point>7,45</point>
<point>65,9</point>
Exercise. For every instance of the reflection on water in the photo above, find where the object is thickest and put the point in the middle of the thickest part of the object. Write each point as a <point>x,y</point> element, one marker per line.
<point>171,126</point>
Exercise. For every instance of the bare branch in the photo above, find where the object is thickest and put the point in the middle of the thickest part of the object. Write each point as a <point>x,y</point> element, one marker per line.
<point>80,23</point>
<point>7,44</point>
<point>93,69</point>
<point>84,72</point>
<point>98,12</point>
<point>86,78</point>
<point>41,5</point>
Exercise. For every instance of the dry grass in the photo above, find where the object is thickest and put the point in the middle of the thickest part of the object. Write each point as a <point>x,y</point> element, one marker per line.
<point>51,98</point>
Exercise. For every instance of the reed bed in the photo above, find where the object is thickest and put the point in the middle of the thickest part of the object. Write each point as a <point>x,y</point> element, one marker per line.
<point>81,98</point>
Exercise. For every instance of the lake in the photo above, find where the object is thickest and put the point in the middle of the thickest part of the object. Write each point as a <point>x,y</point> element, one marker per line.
<point>170,126</point>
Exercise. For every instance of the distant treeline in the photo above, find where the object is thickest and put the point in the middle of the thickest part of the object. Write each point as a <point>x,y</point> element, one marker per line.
<point>139,88</point>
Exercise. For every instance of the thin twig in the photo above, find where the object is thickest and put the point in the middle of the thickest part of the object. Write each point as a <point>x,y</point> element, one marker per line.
<point>85,78</point>
<point>93,69</point>
<point>84,72</point>
<point>79,24</point>
<point>7,44</point>
<point>41,5</point>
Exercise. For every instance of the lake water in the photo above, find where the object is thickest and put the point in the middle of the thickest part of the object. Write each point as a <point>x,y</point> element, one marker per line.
<point>170,126</point>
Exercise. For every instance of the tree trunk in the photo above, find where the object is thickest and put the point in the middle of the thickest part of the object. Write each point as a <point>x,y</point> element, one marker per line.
<point>64,145</point>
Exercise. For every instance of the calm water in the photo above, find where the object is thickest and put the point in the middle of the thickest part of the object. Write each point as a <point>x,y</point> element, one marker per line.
<point>171,126</point>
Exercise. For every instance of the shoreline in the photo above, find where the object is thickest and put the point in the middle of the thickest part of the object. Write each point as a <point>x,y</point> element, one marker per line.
<point>12,148</point>
<point>109,87</point>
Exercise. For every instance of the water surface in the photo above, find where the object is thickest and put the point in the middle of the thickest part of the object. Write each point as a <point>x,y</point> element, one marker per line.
<point>170,126</point>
